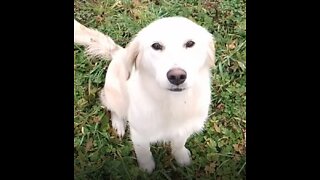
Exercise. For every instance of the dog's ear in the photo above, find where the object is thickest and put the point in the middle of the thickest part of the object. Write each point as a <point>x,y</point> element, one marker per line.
<point>132,56</point>
<point>211,54</point>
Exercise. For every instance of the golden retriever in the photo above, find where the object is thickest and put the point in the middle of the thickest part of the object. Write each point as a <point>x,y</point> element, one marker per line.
<point>159,83</point>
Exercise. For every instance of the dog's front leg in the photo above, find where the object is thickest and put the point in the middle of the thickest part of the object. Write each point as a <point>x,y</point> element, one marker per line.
<point>118,124</point>
<point>179,151</point>
<point>142,149</point>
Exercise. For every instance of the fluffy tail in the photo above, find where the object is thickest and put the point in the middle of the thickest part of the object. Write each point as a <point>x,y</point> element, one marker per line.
<point>97,44</point>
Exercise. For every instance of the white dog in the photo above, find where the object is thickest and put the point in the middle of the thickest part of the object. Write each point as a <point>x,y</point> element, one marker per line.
<point>159,83</point>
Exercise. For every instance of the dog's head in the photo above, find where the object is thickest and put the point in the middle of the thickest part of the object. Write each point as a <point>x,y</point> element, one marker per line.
<point>174,52</point>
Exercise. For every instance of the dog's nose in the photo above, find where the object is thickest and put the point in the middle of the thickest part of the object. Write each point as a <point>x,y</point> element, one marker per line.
<point>176,76</point>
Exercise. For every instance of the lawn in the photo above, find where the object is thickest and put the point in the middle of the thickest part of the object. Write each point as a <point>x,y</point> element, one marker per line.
<point>219,151</point>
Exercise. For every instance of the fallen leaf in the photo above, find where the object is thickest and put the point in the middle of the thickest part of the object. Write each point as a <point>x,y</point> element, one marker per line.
<point>238,148</point>
<point>237,157</point>
<point>216,128</point>
<point>136,3</point>
<point>209,5</point>
<point>89,144</point>
<point>232,45</point>
<point>220,106</point>
<point>96,119</point>
<point>210,168</point>
<point>99,18</point>
<point>136,13</point>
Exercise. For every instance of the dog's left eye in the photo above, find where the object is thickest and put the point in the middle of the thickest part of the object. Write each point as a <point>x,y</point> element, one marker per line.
<point>189,44</point>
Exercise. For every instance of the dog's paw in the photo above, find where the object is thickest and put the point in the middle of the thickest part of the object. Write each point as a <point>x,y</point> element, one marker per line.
<point>183,157</point>
<point>147,165</point>
<point>119,126</point>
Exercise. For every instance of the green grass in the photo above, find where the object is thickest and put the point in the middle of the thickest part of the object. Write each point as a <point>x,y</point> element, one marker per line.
<point>219,151</point>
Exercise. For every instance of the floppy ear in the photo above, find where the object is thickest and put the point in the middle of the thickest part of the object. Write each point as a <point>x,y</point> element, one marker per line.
<point>211,54</point>
<point>132,56</point>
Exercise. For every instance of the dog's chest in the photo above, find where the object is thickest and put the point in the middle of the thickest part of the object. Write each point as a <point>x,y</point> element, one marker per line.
<point>172,116</point>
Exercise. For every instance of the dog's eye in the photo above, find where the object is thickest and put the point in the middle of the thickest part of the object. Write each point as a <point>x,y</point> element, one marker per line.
<point>157,46</point>
<point>189,44</point>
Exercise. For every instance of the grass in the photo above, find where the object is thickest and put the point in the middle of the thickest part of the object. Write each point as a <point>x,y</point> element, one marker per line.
<point>219,151</point>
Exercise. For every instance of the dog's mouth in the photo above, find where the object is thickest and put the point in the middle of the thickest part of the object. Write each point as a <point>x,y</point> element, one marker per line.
<point>176,89</point>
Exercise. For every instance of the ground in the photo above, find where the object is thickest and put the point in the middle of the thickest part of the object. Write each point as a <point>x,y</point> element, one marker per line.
<point>219,151</point>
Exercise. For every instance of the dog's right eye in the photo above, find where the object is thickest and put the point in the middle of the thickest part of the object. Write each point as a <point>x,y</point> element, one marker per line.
<point>189,44</point>
<point>157,46</point>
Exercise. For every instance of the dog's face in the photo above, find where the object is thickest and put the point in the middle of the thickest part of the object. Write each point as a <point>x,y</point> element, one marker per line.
<point>173,52</point>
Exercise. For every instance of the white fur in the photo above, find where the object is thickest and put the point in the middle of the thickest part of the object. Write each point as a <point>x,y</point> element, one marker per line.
<point>98,45</point>
<point>137,88</point>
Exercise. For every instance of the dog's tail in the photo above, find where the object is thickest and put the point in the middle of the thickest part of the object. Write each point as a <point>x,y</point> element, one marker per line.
<point>97,44</point>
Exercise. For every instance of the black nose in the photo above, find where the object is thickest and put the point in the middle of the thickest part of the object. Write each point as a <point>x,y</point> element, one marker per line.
<point>176,76</point>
